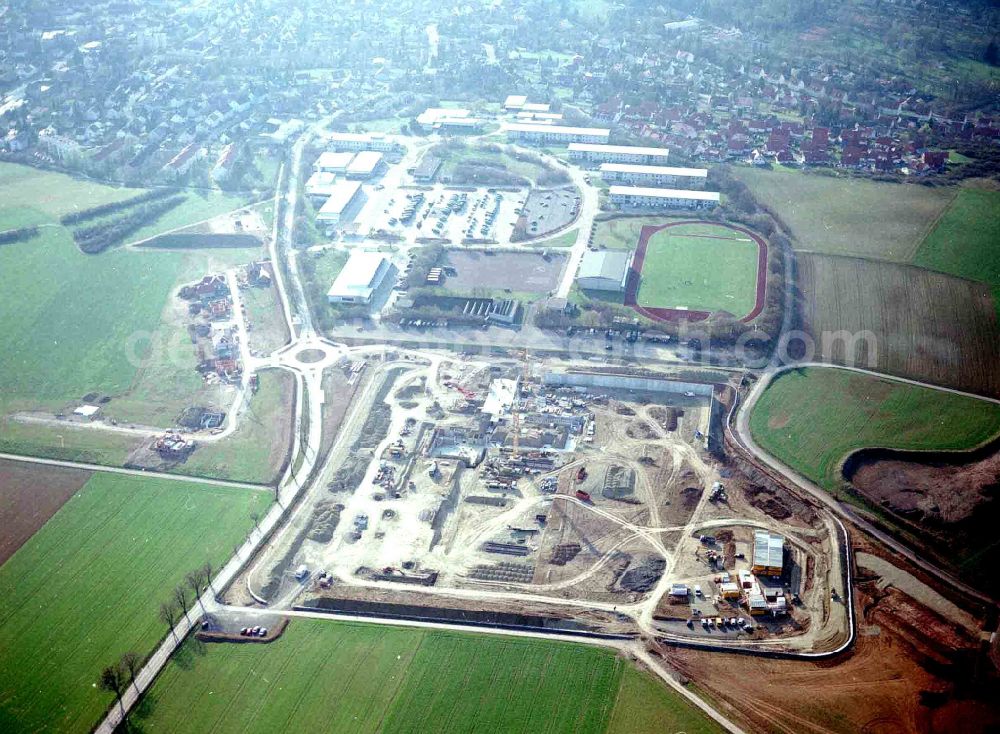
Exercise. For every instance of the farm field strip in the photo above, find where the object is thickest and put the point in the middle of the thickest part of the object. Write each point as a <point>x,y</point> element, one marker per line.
<point>927,326</point>
<point>87,587</point>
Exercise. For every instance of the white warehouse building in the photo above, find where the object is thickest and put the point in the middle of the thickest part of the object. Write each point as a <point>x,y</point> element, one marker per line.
<point>343,196</point>
<point>366,164</point>
<point>593,154</point>
<point>362,275</point>
<point>692,178</point>
<point>536,133</point>
<point>640,197</point>
<point>606,270</point>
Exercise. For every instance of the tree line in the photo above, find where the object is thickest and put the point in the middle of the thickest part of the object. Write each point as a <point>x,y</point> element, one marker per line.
<point>99,211</point>
<point>99,237</point>
<point>17,235</point>
<point>117,677</point>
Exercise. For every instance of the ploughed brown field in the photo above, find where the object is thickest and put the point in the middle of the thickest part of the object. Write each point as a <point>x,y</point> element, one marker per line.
<point>29,495</point>
<point>910,671</point>
<point>928,326</point>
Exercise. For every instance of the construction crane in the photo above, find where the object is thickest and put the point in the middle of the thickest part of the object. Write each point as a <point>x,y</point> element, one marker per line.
<point>515,414</point>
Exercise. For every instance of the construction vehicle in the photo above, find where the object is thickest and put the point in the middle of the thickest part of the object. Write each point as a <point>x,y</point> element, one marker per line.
<point>583,496</point>
<point>581,475</point>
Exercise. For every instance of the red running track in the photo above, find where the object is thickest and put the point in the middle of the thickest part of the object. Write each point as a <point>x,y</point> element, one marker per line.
<point>680,314</point>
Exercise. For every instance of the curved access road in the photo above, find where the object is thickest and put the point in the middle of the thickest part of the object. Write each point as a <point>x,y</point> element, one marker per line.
<point>739,429</point>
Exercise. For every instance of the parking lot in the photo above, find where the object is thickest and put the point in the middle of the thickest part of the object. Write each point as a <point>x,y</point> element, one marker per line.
<point>448,214</point>
<point>546,211</point>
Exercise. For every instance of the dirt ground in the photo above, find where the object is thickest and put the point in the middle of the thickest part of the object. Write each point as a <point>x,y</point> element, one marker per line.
<point>897,679</point>
<point>29,495</point>
<point>525,272</point>
<point>942,493</point>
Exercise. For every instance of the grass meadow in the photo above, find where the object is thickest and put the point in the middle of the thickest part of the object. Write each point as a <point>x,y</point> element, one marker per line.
<point>335,676</point>
<point>87,588</point>
<point>812,418</point>
<point>840,215</point>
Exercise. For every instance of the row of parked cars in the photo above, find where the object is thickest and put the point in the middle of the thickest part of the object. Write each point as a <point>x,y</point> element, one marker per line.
<point>253,632</point>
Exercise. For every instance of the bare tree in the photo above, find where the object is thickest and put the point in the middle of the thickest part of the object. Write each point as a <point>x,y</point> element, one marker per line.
<point>180,596</point>
<point>206,572</point>
<point>196,584</point>
<point>113,681</point>
<point>168,614</point>
<point>132,662</point>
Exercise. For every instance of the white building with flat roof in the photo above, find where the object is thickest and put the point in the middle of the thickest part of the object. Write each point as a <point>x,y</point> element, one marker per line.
<point>366,164</point>
<point>606,270</point>
<point>359,141</point>
<point>446,119</point>
<point>514,102</point>
<point>594,153</point>
<point>333,161</point>
<point>642,197</point>
<point>321,185</point>
<point>339,206</point>
<point>641,175</point>
<point>561,134</point>
<point>362,275</point>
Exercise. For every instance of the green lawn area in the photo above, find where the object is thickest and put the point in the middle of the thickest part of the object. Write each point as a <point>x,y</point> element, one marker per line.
<point>623,233</point>
<point>839,215</point>
<point>87,587</point>
<point>685,267</point>
<point>30,196</point>
<point>71,321</point>
<point>345,677</point>
<point>256,450</point>
<point>966,240</point>
<point>197,207</point>
<point>564,239</point>
<point>812,418</point>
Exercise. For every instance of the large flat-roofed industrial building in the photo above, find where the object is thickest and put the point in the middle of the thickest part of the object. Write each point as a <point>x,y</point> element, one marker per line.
<point>641,197</point>
<point>641,175</point>
<point>594,154</point>
<point>604,271</point>
<point>768,553</point>
<point>331,161</point>
<point>535,133</point>
<point>338,207</point>
<point>362,275</point>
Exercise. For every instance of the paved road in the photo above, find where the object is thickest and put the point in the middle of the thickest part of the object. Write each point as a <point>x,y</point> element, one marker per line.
<point>134,472</point>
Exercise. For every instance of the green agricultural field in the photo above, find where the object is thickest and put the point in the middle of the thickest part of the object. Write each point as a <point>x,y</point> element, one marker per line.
<point>966,240</point>
<point>689,266</point>
<point>839,215</point>
<point>87,587</point>
<point>642,707</point>
<point>73,323</point>
<point>335,676</point>
<point>813,418</point>
<point>257,450</point>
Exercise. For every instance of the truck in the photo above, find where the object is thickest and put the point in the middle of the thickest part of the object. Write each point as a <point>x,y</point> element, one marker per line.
<point>301,572</point>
